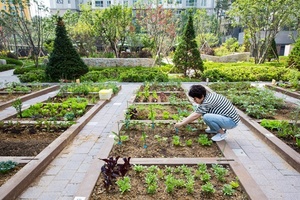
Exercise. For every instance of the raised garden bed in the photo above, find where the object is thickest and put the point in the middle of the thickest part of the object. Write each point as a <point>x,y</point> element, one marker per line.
<point>15,185</point>
<point>174,182</point>
<point>160,140</point>
<point>7,98</point>
<point>152,144</point>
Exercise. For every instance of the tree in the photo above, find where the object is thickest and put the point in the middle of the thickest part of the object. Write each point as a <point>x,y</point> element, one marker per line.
<point>64,61</point>
<point>114,24</point>
<point>272,51</point>
<point>294,57</point>
<point>160,26</point>
<point>263,20</point>
<point>187,55</point>
<point>20,27</point>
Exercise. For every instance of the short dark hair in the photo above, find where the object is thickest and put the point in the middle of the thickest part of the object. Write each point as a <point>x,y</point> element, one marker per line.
<point>197,91</point>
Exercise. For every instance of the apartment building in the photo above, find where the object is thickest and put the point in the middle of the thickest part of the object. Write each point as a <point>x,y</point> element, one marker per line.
<point>64,5</point>
<point>4,6</point>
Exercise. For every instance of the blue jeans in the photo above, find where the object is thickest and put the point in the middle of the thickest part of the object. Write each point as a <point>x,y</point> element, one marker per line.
<point>217,122</point>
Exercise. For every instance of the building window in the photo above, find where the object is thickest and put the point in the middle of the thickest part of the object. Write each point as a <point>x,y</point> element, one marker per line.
<point>203,3</point>
<point>191,2</point>
<point>178,1</point>
<point>60,1</point>
<point>126,3</point>
<point>108,3</point>
<point>170,1</point>
<point>99,3</point>
<point>69,1</point>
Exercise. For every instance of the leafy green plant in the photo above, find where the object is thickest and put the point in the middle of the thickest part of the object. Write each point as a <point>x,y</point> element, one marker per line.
<point>189,142</point>
<point>220,172</point>
<point>235,184</point>
<point>271,124</point>
<point>17,104</point>
<point>176,140</point>
<point>6,166</point>
<point>144,138</point>
<point>189,185</point>
<point>165,115</point>
<point>152,168</point>
<point>139,168</point>
<point>120,138</point>
<point>203,140</point>
<point>124,184</point>
<point>205,177</point>
<point>151,181</point>
<point>228,190</point>
<point>208,188</point>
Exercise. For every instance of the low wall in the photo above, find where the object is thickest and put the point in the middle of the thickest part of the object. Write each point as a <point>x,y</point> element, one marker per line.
<point>2,62</point>
<point>237,57</point>
<point>114,62</point>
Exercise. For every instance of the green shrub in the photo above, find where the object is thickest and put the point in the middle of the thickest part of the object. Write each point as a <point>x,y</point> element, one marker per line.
<point>23,70</point>
<point>6,67</point>
<point>294,57</point>
<point>33,76</point>
<point>12,61</point>
<point>64,61</point>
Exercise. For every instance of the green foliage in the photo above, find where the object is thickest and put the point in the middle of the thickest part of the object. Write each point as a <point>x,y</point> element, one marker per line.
<point>271,124</point>
<point>6,67</point>
<point>187,55</point>
<point>228,190</point>
<point>203,140</point>
<point>220,172</point>
<point>64,61</point>
<point>139,168</point>
<point>124,184</point>
<point>17,104</point>
<point>6,166</point>
<point>37,75</point>
<point>272,51</point>
<point>12,61</point>
<point>208,188</point>
<point>230,46</point>
<point>240,72</point>
<point>294,56</point>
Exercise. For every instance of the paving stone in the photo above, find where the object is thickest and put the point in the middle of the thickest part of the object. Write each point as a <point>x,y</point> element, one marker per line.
<point>78,177</point>
<point>32,192</point>
<point>65,174</point>
<point>57,186</point>
<point>50,195</point>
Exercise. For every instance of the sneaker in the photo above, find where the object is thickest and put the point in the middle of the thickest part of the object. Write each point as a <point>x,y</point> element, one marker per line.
<point>210,131</point>
<point>219,137</point>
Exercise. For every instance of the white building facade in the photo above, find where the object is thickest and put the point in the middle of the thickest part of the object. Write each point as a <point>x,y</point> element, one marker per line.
<point>62,6</point>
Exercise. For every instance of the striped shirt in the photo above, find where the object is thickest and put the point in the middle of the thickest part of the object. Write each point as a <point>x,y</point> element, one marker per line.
<point>217,104</point>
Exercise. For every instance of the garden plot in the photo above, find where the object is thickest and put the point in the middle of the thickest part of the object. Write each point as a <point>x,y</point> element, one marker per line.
<point>160,140</point>
<point>147,136</point>
<point>169,182</point>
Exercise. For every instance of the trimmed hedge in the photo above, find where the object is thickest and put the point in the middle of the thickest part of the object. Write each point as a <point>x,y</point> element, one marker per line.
<point>6,67</point>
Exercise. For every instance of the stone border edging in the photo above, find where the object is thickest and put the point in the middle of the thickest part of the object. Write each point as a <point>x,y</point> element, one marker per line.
<point>282,149</point>
<point>30,96</point>
<point>20,181</point>
<point>283,91</point>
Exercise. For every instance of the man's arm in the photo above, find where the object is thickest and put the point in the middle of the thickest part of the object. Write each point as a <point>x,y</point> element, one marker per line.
<point>192,117</point>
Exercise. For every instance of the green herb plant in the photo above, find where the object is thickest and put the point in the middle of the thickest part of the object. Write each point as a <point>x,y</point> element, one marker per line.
<point>203,140</point>
<point>124,184</point>
<point>17,104</point>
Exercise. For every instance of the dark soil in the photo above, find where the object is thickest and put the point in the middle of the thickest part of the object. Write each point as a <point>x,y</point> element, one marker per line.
<point>159,142</point>
<point>26,140</point>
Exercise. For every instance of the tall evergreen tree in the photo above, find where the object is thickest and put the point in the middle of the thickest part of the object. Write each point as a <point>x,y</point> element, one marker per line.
<point>294,57</point>
<point>272,51</point>
<point>64,61</point>
<point>187,56</point>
